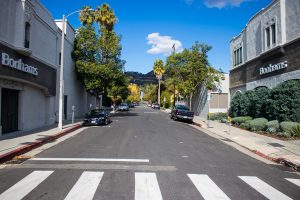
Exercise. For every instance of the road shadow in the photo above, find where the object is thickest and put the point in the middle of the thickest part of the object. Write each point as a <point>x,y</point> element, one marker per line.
<point>124,114</point>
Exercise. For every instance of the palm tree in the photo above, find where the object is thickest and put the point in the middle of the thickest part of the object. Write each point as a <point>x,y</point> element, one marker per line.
<point>105,16</point>
<point>86,15</point>
<point>159,70</point>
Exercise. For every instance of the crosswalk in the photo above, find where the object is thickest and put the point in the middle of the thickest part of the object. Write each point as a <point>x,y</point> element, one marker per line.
<point>146,186</point>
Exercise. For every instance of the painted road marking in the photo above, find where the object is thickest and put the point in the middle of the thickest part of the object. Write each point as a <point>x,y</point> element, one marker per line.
<point>263,188</point>
<point>86,186</point>
<point>295,181</point>
<point>146,187</point>
<point>207,188</point>
<point>92,160</point>
<point>26,185</point>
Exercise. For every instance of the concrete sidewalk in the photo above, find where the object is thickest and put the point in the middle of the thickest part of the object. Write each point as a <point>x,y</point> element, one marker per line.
<point>20,142</point>
<point>287,152</point>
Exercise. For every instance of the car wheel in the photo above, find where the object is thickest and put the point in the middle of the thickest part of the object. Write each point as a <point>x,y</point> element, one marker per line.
<point>106,121</point>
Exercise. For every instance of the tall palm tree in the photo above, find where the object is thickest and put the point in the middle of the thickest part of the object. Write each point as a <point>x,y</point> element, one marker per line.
<point>105,16</point>
<point>159,70</point>
<point>86,15</point>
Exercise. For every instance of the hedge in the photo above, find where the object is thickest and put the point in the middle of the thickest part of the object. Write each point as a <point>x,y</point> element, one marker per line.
<point>273,126</point>
<point>217,116</point>
<point>258,124</point>
<point>240,120</point>
<point>281,103</point>
<point>287,127</point>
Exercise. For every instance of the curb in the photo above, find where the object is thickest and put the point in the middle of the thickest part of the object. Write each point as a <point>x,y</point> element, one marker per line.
<point>283,161</point>
<point>26,148</point>
<point>197,124</point>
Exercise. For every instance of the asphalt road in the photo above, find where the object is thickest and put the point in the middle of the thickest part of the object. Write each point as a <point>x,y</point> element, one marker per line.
<point>142,155</point>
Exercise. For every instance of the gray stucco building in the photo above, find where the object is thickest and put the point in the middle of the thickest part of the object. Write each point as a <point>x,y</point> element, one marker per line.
<point>29,68</point>
<point>267,52</point>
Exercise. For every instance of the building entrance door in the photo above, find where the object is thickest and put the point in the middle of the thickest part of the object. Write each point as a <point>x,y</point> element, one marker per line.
<point>9,110</point>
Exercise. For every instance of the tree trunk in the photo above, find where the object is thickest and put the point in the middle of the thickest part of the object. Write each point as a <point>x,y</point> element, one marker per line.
<point>191,98</point>
<point>158,99</point>
<point>174,94</point>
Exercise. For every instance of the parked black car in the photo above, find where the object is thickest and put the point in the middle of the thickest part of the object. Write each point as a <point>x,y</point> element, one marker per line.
<point>97,117</point>
<point>180,112</point>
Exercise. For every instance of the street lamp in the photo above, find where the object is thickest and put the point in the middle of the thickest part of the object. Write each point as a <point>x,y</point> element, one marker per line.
<point>61,80</point>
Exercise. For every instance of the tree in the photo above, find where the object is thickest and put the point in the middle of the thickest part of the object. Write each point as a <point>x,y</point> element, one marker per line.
<point>159,70</point>
<point>134,93</point>
<point>97,57</point>
<point>191,70</point>
<point>150,93</point>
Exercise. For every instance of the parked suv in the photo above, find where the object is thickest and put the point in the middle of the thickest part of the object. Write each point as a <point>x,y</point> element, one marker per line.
<point>180,112</point>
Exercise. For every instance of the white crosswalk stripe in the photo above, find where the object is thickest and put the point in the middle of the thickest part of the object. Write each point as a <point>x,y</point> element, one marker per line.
<point>86,186</point>
<point>146,187</point>
<point>263,188</point>
<point>295,181</point>
<point>25,186</point>
<point>207,188</point>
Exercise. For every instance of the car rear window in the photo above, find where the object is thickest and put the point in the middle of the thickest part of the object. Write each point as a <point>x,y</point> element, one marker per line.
<point>96,112</point>
<point>180,107</point>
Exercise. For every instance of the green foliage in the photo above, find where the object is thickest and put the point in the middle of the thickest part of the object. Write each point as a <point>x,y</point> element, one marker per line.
<point>224,120</point>
<point>296,131</point>
<point>217,116</point>
<point>283,134</point>
<point>97,57</point>
<point>288,126</point>
<point>258,124</point>
<point>190,69</point>
<point>273,126</point>
<point>240,120</point>
<point>245,125</point>
<point>284,102</point>
<point>150,93</point>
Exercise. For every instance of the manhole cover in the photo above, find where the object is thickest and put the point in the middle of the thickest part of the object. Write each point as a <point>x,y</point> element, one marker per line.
<point>275,144</point>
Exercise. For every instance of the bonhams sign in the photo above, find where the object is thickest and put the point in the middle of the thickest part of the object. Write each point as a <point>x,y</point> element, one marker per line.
<point>272,68</point>
<point>18,64</point>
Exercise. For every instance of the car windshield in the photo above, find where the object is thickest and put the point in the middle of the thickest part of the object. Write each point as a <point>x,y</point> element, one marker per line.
<point>181,107</point>
<point>123,104</point>
<point>99,112</point>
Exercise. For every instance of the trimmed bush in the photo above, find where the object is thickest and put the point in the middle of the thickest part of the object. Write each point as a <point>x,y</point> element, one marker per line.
<point>258,124</point>
<point>273,126</point>
<point>224,120</point>
<point>296,131</point>
<point>240,120</point>
<point>217,116</point>
<point>245,125</point>
<point>283,134</point>
<point>287,127</point>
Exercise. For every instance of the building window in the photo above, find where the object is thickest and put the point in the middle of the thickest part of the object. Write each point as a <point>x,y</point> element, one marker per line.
<point>238,56</point>
<point>59,59</point>
<point>27,35</point>
<point>270,36</point>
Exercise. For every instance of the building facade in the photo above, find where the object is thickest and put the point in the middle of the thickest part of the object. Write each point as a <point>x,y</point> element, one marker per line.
<point>29,68</point>
<point>267,52</point>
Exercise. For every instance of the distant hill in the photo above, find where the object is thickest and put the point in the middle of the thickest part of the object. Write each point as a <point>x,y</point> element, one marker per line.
<point>141,79</point>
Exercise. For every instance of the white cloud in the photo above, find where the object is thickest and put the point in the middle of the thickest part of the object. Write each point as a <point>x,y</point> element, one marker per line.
<point>162,44</point>
<point>189,2</point>
<point>223,3</point>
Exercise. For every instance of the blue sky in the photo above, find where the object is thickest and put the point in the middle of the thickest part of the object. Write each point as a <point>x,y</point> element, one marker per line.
<point>150,27</point>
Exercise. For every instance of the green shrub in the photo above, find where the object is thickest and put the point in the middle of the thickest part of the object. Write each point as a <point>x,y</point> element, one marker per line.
<point>296,131</point>
<point>287,127</point>
<point>224,120</point>
<point>284,102</point>
<point>217,116</point>
<point>258,124</point>
<point>245,126</point>
<point>273,126</point>
<point>240,120</point>
<point>283,134</point>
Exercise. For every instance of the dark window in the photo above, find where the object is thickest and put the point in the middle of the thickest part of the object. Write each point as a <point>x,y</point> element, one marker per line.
<point>59,58</point>
<point>238,56</point>
<point>273,30</point>
<point>268,36</point>
<point>27,35</point>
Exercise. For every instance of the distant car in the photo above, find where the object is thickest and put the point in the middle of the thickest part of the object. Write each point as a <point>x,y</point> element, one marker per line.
<point>123,107</point>
<point>181,112</point>
<point>97,117</point>
<point>155,106</point>
<point>131,105</point>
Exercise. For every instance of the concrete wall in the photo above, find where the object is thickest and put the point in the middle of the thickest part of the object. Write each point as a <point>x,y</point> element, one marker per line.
<point>292,19</point>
